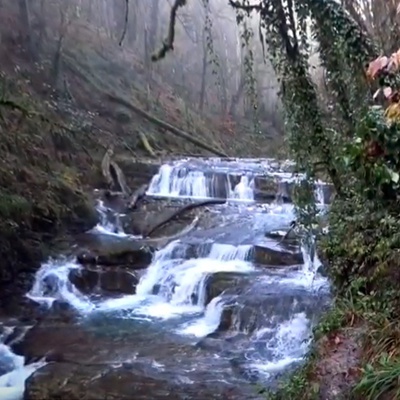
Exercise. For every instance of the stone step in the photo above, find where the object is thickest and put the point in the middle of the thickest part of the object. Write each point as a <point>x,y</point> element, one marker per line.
<point>105,280</point>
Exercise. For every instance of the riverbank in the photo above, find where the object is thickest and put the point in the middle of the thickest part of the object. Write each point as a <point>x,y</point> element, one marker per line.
<point>356,346</point>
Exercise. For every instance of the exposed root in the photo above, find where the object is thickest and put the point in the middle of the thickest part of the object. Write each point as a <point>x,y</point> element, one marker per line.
<point>146,144</point>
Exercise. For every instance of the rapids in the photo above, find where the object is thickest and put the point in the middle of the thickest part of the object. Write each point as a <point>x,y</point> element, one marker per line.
<point>211,308</point>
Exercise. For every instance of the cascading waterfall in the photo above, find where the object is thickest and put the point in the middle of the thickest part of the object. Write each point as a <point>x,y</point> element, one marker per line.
<point>173,289</point>
<point>178,181</point>
<point>13,370</point>
<point>110,222</point>
<point>52,284</point>
<point>319,193</point>
<point>181,283</point>
<point>244,190</point>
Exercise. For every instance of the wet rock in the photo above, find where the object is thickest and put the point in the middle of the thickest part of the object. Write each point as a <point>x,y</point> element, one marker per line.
<point>130,254</point>
<point>67,380</point>
<point>73,342</point>
<point>266,184</point>
<point>219,282</point>
<point>328,192</point>
<point>262,196</point>
<point>85,279</point>
<point>61,312</point>
<point>118,280</point>
<point>227,319</point>
<point>140,222</point>
<point>270,257</point>
<point>284,192</point>
<point>138,172</point>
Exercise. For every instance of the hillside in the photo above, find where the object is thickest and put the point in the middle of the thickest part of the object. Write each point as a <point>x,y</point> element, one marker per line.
<point>54,132</point>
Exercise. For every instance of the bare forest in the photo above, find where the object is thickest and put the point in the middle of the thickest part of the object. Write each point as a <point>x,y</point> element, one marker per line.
<point>218,78</point>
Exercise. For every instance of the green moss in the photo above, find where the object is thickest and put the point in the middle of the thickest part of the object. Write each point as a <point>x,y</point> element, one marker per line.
<point>14,206</point>
<point>43,169</point>
<point>297,387</point>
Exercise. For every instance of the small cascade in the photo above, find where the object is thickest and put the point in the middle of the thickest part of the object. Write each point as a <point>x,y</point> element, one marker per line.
<point>228,252</point>
<point>110,221</point>
<point>180,181</point>
<point>244,190</point>
<point>286,344</point>
<point>52,284</point>
<point>205,282</point>
<point>13,370</point>
<point>319,194</point>
<point>209,322</point>
<point>182,282</point>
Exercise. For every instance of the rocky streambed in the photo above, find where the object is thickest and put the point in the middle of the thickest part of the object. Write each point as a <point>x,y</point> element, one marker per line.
<point>210,305</point>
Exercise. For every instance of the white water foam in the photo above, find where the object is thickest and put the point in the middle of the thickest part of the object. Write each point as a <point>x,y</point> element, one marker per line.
<point>175,287</point>
<point>178,181</point>
<point>106,226</point>
<point>244,190</point>
<point>12,382</point>
<point>289,344</point>
<point>182,283</point>
<point>209,322</point>
<point>52,283</point>
<point>319,193</point>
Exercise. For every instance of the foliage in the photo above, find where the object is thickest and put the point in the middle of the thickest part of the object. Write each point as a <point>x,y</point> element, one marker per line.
<point>40,181</point>
<point>381,379</point>
<point>359,145</point>
<point>246,36</point>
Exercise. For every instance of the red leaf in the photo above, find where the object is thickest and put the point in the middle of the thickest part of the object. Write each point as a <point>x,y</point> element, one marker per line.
<point>387,92</point>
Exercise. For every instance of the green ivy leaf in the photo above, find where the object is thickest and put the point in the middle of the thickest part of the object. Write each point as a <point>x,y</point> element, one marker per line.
<point>394,176</point>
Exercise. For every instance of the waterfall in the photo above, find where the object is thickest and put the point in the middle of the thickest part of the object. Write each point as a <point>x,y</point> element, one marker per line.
<point>206,282</point>
<point>110,222</point>
<point>180,181</point>
<point>181,283</point>
<point>244,190</point>
<point>319,193</point>
<point>15,372</point>
<point>52,283</point>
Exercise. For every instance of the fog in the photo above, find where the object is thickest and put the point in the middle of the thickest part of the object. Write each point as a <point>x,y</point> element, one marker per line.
<point>210,69</point>
<point>217,67</point>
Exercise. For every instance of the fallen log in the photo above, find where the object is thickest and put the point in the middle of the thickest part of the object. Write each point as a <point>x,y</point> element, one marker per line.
<point>164,125</point>
<point>182,210</point>
<point>161,242</point>
<point>137,195</point>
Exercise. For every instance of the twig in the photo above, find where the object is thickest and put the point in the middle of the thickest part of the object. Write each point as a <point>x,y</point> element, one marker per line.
<point>125,22</point>
<point>248,8</point>
<point>168,43</point>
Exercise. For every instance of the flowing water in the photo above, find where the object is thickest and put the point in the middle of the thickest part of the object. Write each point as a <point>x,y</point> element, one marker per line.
<point>211,310</point>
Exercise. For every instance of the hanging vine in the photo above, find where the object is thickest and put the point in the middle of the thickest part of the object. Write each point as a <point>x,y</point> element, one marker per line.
<point>246,35</point>
<point>213,56</point>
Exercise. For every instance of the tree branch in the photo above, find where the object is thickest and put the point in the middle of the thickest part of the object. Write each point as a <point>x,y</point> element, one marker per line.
<point>248,8</point>
<point>125,22</point>
<point>168,43</point>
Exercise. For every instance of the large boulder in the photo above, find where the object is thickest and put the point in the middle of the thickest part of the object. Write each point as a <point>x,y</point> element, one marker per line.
<point>263,255</point>
<point>219,282</point>
<point>112,280</point>
<point>133,255</point>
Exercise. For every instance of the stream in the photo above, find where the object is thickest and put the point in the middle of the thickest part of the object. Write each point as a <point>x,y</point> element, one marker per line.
<point>220,312</point>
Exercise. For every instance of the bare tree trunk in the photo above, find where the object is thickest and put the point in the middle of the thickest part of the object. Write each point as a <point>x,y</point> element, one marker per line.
<point>203,76</point>
<point>153,31</point>
<point>26,26</point>
<point>236,97</point>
